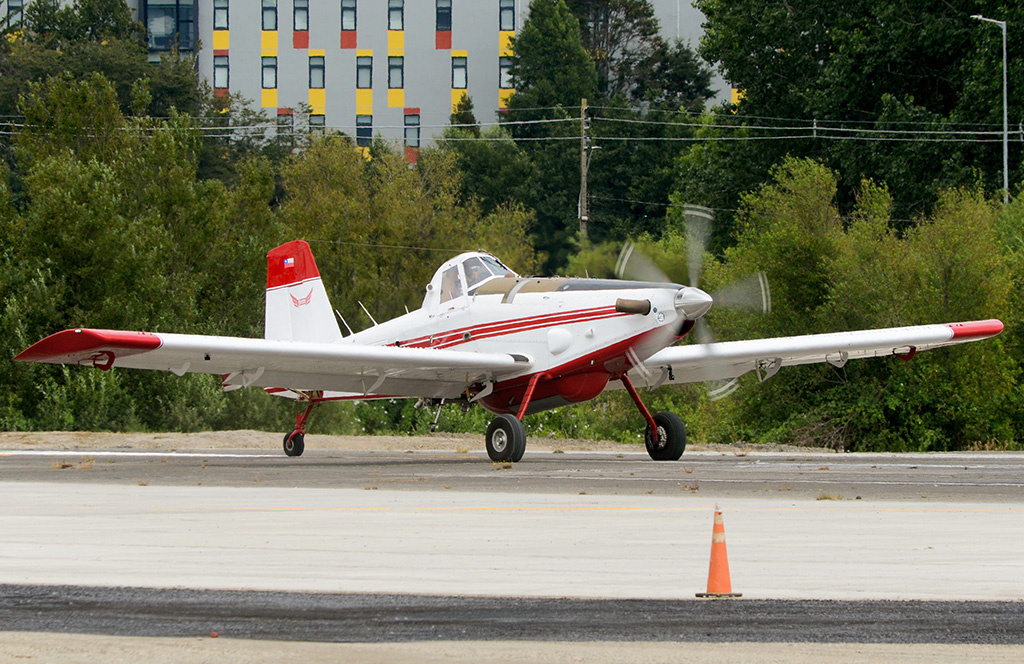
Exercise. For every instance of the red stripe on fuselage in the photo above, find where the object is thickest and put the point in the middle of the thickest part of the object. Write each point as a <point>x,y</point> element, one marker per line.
<point>458,336</point>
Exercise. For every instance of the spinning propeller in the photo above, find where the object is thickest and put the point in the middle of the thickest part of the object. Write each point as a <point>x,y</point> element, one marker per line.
<point>750,293</point>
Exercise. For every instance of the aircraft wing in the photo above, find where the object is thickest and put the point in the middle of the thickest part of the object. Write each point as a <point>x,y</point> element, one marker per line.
<point>340,367</point>
<point>731,359</point>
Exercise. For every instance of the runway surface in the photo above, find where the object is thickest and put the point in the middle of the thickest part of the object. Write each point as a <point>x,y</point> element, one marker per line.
<point>443,544</point>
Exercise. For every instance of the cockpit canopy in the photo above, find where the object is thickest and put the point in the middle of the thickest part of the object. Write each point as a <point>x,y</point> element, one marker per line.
<point>464,274</point>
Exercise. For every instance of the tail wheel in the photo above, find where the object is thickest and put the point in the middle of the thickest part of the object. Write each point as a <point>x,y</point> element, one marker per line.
<point>506,438</point>
<point>671,438</point>
<point>294,443</point>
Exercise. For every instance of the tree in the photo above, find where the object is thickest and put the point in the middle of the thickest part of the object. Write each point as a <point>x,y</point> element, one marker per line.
<point>463,117</point>
<point>550,66</point>
<point>862,66</point>
<point>551,73</point>
<point>619,35</point>
<point>495,171</point>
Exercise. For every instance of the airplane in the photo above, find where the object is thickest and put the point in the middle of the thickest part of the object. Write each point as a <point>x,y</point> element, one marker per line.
<point>485,335</point>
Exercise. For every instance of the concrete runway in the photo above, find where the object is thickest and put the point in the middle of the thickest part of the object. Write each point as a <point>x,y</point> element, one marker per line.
<point>574,525</point>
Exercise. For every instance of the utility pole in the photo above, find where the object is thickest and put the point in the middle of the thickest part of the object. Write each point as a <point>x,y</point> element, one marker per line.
<point>1006,130</point>
<point>584,163</point>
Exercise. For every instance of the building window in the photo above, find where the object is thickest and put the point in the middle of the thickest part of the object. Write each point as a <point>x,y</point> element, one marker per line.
<point>316,71</point>
<point>269,73</point>
<point>460,73</point>
<point>285,122</point>
<point>220,72</point>
<point>444,15</point>
<point>170,23</point>
<point>364,72</point>
<point>364,130</point>
<point>300,15</point>
<point>507,15</point>
<point>396,14</point>
<point>396,72</point>
<point>270,14</point>
<point>317,123</point>
<point>348,15</point>
<point>505,73</point>
<point>15,12</point>
<point>412,130</point>
<point>220,14</point>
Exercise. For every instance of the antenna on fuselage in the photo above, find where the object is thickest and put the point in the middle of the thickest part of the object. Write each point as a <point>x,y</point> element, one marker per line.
<point>342,319</point>
<point>367,313</point>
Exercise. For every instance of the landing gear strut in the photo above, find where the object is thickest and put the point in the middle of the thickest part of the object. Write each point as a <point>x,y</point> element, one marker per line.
<point>506,436</point>
<point>665,437</point>
<point>295,440</point>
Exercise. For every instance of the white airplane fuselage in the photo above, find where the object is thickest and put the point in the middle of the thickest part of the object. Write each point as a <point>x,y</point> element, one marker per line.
<point>577,333</point>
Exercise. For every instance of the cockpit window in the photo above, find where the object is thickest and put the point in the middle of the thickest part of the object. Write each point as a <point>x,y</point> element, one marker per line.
<point>476,272</point>
<point>451,285</point>
<point>496,266</point>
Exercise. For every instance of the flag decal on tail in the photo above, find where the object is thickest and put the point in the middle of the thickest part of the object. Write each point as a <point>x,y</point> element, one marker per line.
<point>289,262</point>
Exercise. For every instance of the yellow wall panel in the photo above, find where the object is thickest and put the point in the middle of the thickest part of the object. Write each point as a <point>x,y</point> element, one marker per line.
<point>457,95</point>
<point>396,98</point>
<point>269,99</point>
<point>317,51</point>
<point>221,40</point>
<point>503,96</point>
<point>396,40</point>
<point>364,102</point>
<point>268,40</point>
<point>505,42</point>
<point>318,98</point>
<point>365,52</point>
<point>460,54</point>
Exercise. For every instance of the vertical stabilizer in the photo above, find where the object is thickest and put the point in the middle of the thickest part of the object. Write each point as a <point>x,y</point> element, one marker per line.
<point>297,306</point>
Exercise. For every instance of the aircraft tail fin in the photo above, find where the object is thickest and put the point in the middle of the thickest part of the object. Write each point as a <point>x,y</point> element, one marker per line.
<point>297,307</point>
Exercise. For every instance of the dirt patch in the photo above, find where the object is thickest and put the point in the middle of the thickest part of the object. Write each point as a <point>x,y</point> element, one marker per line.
<point>247,439</point>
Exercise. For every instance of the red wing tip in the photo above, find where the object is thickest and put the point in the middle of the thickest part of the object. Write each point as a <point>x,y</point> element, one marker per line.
<point>72,346</point>
<point>978,329</point>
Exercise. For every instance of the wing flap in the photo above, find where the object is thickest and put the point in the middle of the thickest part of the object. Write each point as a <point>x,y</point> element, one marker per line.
<point>701,362</point>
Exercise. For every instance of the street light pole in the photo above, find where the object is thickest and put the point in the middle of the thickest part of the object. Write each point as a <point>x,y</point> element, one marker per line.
<point>1006,131</point>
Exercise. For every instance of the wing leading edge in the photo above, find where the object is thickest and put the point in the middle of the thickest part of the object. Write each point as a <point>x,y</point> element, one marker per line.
<point>720,361</point>
<point>241,362</point>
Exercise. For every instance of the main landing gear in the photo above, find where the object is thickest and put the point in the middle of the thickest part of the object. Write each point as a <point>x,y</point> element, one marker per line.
<point>506,438</point>
<point>665,437</point>
<point>295,440</point>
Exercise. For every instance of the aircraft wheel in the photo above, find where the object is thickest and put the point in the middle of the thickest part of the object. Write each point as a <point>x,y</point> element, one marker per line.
<point>294,443</point>
<point>671,438</point>
<point>506,438</point>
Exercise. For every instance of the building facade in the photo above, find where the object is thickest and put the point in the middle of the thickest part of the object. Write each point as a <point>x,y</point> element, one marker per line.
<point>391,67</point>
<point>366,67</point>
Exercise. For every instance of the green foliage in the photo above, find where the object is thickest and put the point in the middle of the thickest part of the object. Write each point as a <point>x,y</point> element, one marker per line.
<point>550,66</point>
<point>826,278</point>
<point>871,64</point>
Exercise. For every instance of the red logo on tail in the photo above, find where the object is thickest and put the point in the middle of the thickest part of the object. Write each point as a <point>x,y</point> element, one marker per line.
<point>304,301</point>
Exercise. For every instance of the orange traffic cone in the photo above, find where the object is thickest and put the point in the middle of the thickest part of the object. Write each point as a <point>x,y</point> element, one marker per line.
<point>718,572</point>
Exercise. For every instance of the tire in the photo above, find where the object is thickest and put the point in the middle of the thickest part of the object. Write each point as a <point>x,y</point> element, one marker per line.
<point>671,438</point>
<point>294,443</point>
<point>506,439</point>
